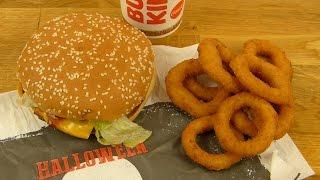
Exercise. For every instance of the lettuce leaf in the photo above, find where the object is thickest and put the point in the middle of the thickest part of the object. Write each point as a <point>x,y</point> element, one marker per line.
<point>120,131</point>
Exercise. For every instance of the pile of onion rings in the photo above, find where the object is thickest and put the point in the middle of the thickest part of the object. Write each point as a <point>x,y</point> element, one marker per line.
<point>251,106</point>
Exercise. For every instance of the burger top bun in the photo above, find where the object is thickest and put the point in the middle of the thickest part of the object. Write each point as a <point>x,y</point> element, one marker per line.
<point>87,66</point>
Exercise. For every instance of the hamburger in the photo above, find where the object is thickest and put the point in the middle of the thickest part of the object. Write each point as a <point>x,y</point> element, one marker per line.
<point>85,73</point>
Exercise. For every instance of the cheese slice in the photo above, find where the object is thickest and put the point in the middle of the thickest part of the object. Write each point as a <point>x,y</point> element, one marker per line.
<point>77,128</point>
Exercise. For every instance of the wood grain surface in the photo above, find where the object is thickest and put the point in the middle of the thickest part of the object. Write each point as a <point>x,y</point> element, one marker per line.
<point>294,25</point>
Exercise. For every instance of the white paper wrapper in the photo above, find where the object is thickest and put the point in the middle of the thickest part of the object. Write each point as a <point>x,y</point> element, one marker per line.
<point>16,120</point>
<point>282,158</point>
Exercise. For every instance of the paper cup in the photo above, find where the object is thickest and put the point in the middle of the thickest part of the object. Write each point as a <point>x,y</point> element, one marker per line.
<point>156,18</point>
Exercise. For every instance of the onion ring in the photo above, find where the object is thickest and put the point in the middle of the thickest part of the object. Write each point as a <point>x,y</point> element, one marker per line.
<point>203,92</point>
<point>247,66</point>
<point>276,57</point>
<point>261,108</point>
<point>285,120</point>
<point>212,55</point>
<point>198,155</point>
<point>182,97</point>
<point>243,124</point>
<point>248,127</point>
<point>239,120</point>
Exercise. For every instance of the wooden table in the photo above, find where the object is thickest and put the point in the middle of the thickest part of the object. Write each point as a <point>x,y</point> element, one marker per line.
<point>292,24</point>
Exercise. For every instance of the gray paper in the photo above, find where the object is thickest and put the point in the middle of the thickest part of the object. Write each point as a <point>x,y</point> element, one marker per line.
<point>165,160</point>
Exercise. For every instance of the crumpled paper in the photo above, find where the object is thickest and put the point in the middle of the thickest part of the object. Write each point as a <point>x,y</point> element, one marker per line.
<point>282,158</point>
<point>16,120</point>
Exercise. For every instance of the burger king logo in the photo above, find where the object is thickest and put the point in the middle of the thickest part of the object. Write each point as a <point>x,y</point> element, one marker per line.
<point>156,10</point>
<point>176,11</point>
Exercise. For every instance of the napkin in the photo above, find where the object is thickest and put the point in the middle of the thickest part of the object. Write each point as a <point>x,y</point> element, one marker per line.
<point>282,159</point>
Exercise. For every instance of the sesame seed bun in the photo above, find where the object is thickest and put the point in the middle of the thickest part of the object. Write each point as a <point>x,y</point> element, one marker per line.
<point>87,66</point>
